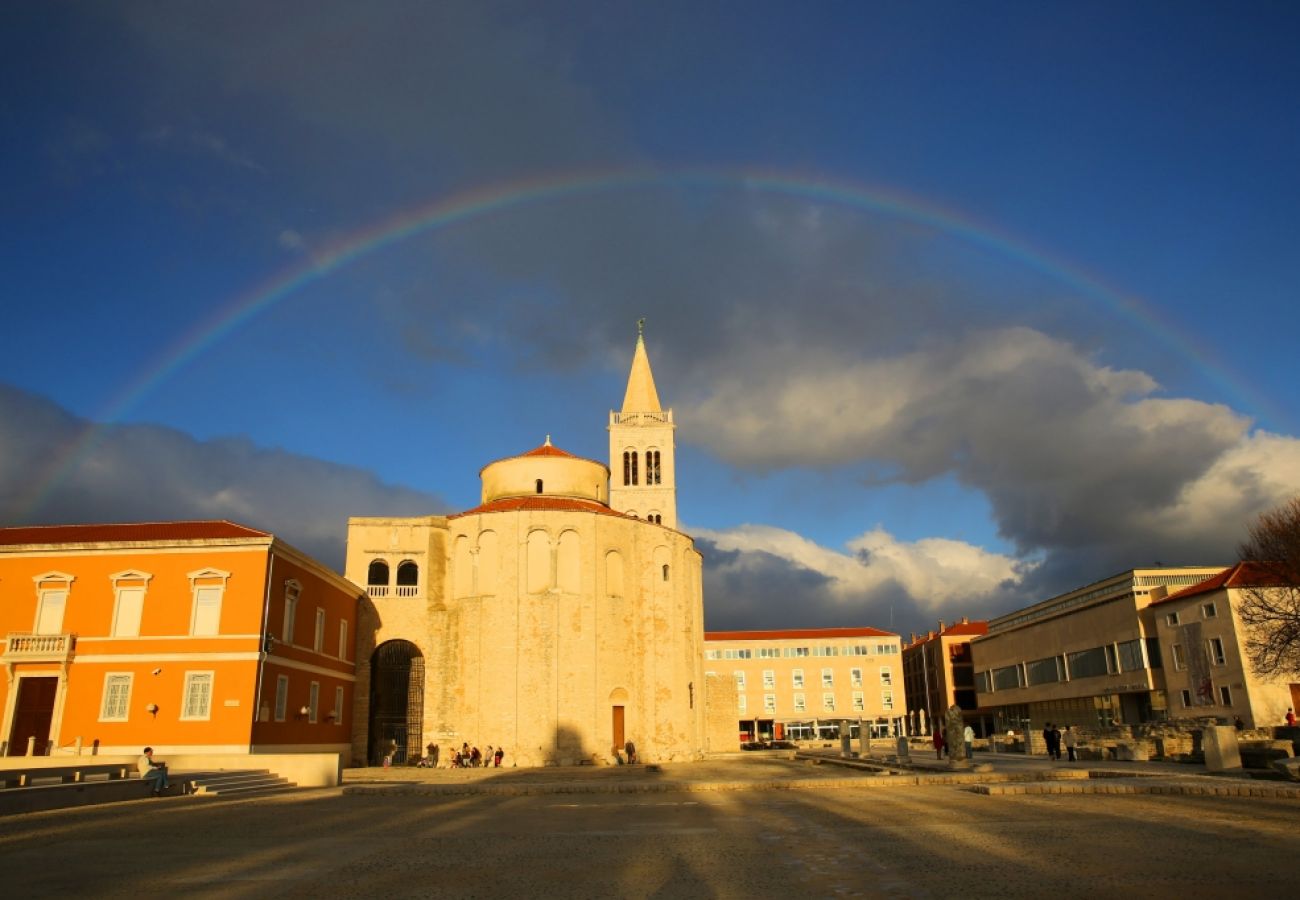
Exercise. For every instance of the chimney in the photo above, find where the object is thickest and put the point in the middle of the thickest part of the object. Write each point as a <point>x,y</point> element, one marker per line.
<point>965,620</point>
<point>941,626</point>
<point>913,640</point>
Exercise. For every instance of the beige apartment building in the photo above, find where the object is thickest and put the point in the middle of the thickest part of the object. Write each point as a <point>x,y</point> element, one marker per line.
<point>1202,641</point>
<point>804,684</point>
<point>559,619</point>
<point>938,672</point>
<point>1090,657</point>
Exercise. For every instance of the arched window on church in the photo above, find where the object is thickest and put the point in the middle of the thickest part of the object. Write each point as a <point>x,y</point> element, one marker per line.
<point>665,571</point>
<point>539,485</point>
<point>653,474</point>
<point>408,578</point>
<point>629,467</point>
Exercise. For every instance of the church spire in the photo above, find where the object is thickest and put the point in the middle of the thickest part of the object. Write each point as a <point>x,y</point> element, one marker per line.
<point>641,395</point>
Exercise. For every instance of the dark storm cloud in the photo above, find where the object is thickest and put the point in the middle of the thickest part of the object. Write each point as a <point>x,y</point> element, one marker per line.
<point>789,331</point>
<point>146,473</point>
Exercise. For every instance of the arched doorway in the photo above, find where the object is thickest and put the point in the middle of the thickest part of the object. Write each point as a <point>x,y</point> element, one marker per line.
<point>396,702</point>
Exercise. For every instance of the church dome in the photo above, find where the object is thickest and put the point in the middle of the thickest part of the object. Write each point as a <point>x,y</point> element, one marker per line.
<point>547,471</point>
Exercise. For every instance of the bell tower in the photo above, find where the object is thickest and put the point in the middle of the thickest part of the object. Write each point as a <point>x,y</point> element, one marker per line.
<point>642,461</point>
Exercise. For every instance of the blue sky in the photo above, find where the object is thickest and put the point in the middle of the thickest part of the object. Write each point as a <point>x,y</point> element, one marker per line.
<point>959,305</point>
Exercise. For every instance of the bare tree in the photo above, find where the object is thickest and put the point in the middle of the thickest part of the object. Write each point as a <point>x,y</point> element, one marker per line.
<point>1270,604</point>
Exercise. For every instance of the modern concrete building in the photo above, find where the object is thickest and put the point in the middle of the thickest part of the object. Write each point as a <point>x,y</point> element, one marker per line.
<point>938,671</point>
<point>1090,657</point>
<point>558,619</point>
<point>1202,641</point>
<point>192,637</point>
<point>810,683</point>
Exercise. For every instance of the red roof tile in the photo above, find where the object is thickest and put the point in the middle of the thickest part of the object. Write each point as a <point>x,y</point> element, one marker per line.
<point>960,629</point>
<point>548,450</point>
<point>541,502</point>
<point>1242,575</point>
<point>795,633</point>
<point>130,532</point>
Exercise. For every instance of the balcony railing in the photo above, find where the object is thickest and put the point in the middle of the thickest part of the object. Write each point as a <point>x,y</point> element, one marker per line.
<point>662,417</point>
<point>401,590</point>
<point>39,647</point>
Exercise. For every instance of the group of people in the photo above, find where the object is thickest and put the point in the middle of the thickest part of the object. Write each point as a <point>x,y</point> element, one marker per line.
<point>941,743</point>
<point>466,757</point>
<point>1054,738</point>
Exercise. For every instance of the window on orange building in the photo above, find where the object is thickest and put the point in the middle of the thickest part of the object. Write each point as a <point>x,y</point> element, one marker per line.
<point>51,600</point>
<point>313,702</point>
<point>209,585</point>
<point>318,640</point>
<point>117,697</point>
<point>338,704</point>
<point>343,639</point>
<point>197,702</point>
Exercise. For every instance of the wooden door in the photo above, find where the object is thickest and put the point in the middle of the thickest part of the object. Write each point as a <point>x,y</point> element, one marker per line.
<point>619,738</point>
<point>33,712</point>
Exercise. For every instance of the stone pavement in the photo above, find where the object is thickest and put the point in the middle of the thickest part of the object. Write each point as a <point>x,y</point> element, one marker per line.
<point>719,829</point>
<point>824,770</point>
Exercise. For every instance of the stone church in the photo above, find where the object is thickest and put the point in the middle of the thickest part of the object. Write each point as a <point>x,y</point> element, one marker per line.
<point>560,618</point>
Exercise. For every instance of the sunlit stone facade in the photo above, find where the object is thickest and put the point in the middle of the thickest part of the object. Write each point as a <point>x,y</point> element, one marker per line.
<point>547,620</point>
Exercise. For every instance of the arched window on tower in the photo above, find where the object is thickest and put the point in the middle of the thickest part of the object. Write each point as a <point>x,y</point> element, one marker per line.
<point>377,578</point>
<point>629,467</point>
<point>653,475</point>
<point>539,485</point>
<point>408,578</point>
<point>634,478</point>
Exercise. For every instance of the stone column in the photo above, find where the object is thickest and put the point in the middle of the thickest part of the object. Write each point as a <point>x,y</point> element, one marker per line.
<point>1221,749</point>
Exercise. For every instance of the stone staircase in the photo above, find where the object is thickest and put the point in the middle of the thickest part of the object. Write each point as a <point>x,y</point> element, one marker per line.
<point>234,783</point>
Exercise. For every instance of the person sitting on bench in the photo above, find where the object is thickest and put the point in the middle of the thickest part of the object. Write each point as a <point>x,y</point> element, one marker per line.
<point>152,770</point>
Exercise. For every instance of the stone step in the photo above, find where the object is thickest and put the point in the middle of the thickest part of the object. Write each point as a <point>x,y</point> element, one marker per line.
<point>237,782</point>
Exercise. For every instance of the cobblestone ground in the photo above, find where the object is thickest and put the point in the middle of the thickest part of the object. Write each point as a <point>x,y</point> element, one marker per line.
<point>827,840</point>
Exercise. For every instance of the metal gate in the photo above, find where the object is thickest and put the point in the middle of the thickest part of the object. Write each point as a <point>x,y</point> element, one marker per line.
<point>396,702</point>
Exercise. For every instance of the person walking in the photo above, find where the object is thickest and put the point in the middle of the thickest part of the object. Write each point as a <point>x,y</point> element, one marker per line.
<point>939,744</point>
<point>1290,717</point>
<point>968,737</point>
<point>1056,743</point>
<point>1071,742</point>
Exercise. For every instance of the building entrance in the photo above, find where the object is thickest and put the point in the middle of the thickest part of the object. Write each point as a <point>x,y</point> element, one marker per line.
<point>396,703</point>
<point>33,713</point>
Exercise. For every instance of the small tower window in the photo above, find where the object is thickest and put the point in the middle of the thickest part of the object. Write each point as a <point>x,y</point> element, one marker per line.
<point>408,574</point>
<point>653,474</point>
<point>539,485</point>
<point>665,571</point>
<point>378,573</point>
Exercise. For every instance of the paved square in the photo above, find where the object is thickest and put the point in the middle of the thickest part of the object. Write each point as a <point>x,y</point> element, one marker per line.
<point>814,841</point>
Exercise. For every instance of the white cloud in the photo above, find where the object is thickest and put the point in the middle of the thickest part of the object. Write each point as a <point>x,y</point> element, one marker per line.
<point>936,573</point>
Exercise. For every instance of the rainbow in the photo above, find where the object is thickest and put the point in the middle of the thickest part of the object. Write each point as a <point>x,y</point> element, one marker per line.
<point>451,210</point>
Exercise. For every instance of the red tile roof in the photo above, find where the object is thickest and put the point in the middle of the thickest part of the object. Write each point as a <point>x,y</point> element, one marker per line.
<point>130,532</point>
<point>795,634</point>
<point>959,629</point>
<point>541,502</point>
<point>1242,575</point>
<point>548,450</point>
<point>545,450</point>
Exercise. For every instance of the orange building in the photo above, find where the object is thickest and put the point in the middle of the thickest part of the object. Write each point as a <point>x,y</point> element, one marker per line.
<point>203,637</point>
<point>938,671</point>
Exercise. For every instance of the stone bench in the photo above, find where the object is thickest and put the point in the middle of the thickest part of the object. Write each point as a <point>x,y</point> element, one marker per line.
<point>69,774</point>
